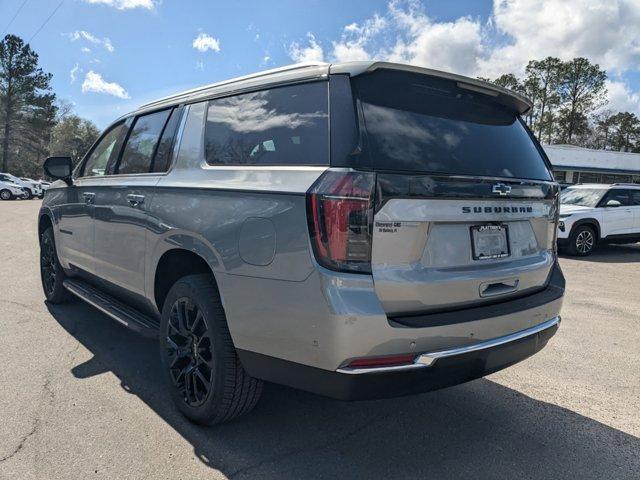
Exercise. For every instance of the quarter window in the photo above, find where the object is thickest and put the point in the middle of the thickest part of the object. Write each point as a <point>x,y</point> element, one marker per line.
<point>104,152</point>
<point>141,144</point>
<point>280,126</point>
<point>163,155</point>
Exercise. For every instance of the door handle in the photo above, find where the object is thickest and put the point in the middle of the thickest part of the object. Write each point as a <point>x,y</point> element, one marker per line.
<point>135,200</point>
<point>88,197</point>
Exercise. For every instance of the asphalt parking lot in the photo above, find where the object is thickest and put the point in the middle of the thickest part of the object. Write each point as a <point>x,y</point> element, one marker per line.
<point>81,397</point>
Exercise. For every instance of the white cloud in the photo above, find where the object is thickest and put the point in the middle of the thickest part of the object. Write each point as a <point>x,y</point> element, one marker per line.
<point>93,82</point>
<point>311,53</point>
<point>453,46</point>
<point>204,42</point>
<point>604,31</point>
<point>621,98</point>
<point>85,50</point>
<point>89,37</point>
<point>73,74</point>
<point>351,46</point>
<point>126,4</point>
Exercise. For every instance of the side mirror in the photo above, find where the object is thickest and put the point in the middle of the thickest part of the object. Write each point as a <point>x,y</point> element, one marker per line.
<point>59,168</point>
<point>613,203</point>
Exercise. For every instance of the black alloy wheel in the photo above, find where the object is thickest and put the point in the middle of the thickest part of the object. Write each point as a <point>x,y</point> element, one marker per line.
<point>48,265</point>
<point>51,272</point>
<point>190,352</point>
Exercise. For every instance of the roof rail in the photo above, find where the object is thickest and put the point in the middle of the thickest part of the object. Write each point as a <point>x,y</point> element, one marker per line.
<point>264,73</point>
<point>628,184</point>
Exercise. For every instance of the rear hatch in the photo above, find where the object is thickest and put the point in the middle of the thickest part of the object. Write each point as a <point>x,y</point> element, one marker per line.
<point>465,205</point>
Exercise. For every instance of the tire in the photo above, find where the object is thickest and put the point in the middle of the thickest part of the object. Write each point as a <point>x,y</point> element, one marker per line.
<point>29,195</point>
<point>582,241</point>
<point>196,347</point>
<point>6,194</point>
<point>51,273</point>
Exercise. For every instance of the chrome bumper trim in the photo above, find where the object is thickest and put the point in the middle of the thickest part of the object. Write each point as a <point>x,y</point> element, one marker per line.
<point>426,360</point>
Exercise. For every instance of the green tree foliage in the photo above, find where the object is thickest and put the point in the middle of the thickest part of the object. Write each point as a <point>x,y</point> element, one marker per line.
<point>27,109</point>
<point>582,91</point>
<point>568,100</point>
<point>73,136</point>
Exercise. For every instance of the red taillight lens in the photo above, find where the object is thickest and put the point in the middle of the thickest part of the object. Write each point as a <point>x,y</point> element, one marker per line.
<point>377,362</point>
<point>340,210</point>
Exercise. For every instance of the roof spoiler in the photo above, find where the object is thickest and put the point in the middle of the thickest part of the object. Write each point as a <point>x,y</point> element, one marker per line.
<point>509,98</point>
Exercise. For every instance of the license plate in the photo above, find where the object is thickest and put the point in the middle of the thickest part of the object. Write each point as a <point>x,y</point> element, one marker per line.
<point>489,241</point>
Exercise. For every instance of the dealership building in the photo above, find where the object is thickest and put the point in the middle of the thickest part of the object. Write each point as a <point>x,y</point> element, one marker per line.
<point>583,165</point>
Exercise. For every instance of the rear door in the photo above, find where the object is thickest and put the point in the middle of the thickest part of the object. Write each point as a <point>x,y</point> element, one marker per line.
<point>635,207</point>
<point>466,205</point>
<point>619,219</point>
<point>122,202</point>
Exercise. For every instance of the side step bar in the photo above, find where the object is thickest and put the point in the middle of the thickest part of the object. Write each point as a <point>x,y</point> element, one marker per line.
<point>120,312</point>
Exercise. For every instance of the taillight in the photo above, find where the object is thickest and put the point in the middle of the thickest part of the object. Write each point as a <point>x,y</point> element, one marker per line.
<point>340,212</point>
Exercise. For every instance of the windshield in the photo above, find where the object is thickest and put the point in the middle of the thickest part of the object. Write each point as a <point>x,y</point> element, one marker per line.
<point>585,197</point>
<point>423,124</point>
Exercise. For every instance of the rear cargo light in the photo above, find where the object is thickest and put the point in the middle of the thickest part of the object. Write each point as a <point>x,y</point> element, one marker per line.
<point>340,214</point>
<point>388,361</point>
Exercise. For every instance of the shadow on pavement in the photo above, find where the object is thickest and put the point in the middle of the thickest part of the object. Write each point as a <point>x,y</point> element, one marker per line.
<point>627,253</point>
<point>477,430</point>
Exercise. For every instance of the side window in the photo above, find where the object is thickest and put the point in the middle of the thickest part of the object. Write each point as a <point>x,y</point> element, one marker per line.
<point>163,154</point>
<point>141,143</point>
<point>635,197</point>
<point>106,150</point>
<point>280,126</point>
<point>618,194</point>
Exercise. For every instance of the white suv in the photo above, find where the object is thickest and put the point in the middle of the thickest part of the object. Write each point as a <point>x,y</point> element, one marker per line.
<point>9,191</point>
<point>31,187</point>
<point>594,213</point>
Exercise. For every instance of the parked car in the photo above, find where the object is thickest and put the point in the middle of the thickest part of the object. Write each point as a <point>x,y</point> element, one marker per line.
<point>591,214</point>
<point>44,186</point>
<point>399,241</point>
<point>10,191</point>
<point>30,187</point>
<point>37,186</point>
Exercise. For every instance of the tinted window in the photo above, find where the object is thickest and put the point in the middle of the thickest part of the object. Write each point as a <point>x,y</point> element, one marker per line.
<point>105,151</point>
<point>141,143</point>
<point>425,124</point>
<point>163,154</point>
<point>281,126</point>
<point>619,195</point>
<point>635,197</point>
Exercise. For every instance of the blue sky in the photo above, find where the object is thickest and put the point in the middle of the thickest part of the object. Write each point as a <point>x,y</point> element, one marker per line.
<point>109,56</point>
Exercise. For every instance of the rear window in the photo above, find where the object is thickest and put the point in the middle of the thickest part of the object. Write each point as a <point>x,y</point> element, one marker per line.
<point>423,124</point>
<point>141,143</point>
<point>279,126</point>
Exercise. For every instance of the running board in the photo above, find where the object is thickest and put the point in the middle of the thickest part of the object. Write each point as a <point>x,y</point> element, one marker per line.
<point>120,312</point>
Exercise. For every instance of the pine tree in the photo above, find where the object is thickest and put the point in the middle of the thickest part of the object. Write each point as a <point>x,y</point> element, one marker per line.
<point>27,109</point>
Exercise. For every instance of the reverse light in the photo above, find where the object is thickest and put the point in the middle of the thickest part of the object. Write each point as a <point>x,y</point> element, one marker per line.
<point>340,214</point>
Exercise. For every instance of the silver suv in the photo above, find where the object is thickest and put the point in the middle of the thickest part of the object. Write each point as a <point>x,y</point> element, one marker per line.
<point>358,230</point>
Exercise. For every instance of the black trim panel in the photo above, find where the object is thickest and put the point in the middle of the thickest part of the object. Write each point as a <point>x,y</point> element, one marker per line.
<point>445,372</point>
<point>553,291</point>
<point>412,186</point>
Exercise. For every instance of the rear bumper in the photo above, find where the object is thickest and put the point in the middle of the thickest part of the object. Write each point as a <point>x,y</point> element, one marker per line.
<point>430,371</point>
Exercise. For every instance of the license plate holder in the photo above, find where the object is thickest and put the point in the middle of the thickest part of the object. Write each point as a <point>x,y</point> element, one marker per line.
<point>489,241</point>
